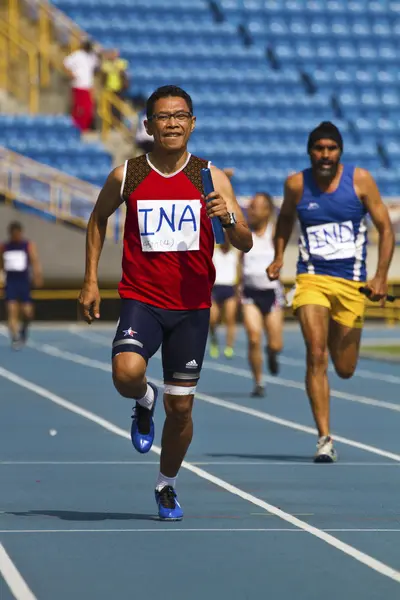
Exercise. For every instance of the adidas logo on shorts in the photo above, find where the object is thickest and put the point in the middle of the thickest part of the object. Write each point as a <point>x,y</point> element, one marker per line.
<point>192,364</point>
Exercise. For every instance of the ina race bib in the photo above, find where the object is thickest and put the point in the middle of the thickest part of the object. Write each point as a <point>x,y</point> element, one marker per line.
<point>169,225</point>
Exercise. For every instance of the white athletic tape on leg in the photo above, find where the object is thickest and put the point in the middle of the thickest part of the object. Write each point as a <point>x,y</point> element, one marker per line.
<point>179,390</point>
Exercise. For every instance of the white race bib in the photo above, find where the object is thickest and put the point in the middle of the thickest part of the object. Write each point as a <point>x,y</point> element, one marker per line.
<point>169,225</point>
<point>15,260</point>
<point>332,241</point>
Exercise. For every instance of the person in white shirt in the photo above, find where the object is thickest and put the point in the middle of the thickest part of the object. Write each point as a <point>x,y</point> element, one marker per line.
<point>80,67</point>
<point>224,298</point>
<point>262,300</point>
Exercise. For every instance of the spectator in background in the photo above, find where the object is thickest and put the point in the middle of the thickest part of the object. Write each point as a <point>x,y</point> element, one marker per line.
<point>20,262</point>
<point>115,76</point>
<point>81,67</point>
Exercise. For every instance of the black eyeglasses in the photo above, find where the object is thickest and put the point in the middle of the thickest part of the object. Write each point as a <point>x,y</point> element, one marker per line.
<point>181,116</point>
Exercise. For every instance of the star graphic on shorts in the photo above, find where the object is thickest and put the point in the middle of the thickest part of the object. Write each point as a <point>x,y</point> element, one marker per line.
<point>129,332</point>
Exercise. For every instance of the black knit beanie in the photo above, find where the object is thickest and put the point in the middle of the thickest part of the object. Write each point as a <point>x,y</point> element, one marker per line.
<point>325,130</point>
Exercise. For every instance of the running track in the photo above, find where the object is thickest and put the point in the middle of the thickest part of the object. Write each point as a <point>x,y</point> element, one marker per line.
<point>261,520</point>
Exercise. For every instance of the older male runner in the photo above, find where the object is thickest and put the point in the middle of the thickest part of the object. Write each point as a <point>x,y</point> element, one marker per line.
<point>167,277</point>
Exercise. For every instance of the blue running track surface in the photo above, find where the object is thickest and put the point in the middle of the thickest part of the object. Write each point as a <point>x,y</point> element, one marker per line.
<point>77,510</point>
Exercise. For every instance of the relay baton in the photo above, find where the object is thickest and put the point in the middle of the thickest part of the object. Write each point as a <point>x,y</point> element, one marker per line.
<point>208,187</point>
<point>367,292</point>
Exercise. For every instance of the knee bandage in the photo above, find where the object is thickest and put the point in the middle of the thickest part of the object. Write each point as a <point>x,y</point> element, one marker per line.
<point>179,390</point>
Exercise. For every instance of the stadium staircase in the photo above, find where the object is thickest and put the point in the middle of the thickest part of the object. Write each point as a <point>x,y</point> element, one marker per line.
<point>35,96</point>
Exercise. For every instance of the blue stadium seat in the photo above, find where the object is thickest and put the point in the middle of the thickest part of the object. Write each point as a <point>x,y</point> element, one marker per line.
<point>53,140</point>
<point>248,112</point>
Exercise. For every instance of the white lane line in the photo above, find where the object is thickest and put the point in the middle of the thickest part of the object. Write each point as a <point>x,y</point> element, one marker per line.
<point>156,529</point>
<point>347,549</point>
<point>293,362</point>
<point>79,462</point>
<point>232,463</point>
<point>290,383</point>
<point>279,381</point>
<point>264,514</point>
<point>106,367</point>
<point>13,577</point>
<point>172,529</point>
<point>290,326</point>
<point>362,373</point>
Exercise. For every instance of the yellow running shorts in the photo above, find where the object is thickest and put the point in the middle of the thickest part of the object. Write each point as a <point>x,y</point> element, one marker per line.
<point>341,296</point>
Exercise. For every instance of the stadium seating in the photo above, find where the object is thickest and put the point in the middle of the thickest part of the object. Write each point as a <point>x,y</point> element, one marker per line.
<point>262,73</point>
<point>53,140</point>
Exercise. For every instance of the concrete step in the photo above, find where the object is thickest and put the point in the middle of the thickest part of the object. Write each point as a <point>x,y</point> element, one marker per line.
<point>53,102</point>
<point>10,105</point>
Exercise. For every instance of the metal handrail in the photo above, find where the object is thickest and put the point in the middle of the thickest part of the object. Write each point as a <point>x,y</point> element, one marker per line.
<point>11,45</point>
<point>61,195</point>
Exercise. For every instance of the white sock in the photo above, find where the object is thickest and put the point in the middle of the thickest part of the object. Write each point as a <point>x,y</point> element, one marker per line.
<point>147,400</point>
<point>163,481</point>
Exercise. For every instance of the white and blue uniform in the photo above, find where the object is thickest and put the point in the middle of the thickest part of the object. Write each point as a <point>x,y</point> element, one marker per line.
<point>333,238</point>
<point>258,289</point>
<point>17,271</point>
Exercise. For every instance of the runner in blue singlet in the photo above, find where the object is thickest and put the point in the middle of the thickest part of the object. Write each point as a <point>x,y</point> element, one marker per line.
<point>331,201</point>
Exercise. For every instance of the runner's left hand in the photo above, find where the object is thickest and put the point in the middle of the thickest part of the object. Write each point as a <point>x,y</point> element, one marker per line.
<point>216,207</point>
<point>379,289</point>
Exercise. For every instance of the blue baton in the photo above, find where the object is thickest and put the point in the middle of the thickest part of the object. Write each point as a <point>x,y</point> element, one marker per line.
<point>208,187</point>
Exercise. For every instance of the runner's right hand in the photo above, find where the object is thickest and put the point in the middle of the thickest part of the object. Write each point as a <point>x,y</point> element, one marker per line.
<point>274,269</point>
<point>89,302</point>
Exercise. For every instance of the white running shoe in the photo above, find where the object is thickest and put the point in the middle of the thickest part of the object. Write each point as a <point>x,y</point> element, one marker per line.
<point>326,453</point>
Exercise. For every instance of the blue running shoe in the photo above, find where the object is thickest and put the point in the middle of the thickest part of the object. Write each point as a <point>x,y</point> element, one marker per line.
<point>169,508</point>
<point>142,430</point>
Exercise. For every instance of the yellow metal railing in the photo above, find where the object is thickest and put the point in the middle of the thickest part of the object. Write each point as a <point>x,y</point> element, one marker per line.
<point>52,192</point>
<point>19,60</point>
<point>109,105</point>
<point>55,36</point>
<point>50,25</point>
